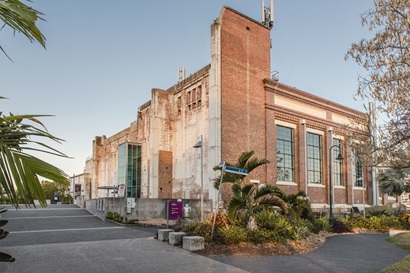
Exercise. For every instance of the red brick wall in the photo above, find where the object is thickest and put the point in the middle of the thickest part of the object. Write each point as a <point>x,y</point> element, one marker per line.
<point>245,62</point>
<point>165,174</point>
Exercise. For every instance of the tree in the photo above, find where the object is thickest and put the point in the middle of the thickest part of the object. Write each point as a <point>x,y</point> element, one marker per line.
<point>394,181</point>
<point>248,200</point>
<point>20,170</point>
<point>386,59</point>
<point>23,19</point>
<point>244,162</point>
<point>50,188</point>
<point>385,56</point>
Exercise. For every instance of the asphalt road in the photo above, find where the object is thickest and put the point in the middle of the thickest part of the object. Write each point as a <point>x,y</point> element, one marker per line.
<point>69,239</point>
<point>368,253</point>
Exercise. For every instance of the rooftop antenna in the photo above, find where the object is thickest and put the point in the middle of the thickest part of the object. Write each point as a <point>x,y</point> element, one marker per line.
<point>268,14</point>
<point>181,74</point>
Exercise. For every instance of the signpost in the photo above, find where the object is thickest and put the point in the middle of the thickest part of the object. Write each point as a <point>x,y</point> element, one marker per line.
<point>230,169</point>
<point>174,210</point>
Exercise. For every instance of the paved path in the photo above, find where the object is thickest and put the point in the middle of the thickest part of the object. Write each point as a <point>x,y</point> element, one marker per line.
<point>340,254</point>
<point>64,239</point>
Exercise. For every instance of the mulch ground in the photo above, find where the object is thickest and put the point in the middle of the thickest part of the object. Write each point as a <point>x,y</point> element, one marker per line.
<point>266,249</point>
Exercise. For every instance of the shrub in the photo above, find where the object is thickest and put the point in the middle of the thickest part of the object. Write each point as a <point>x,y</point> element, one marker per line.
<point>264,235</point>
<point>321,224</point>
<point>221,220</point>
<point>300,229</point>
<point>282,226</point>
<point>404,217</point>
<point>110,215</point>
<point>266,219</point>
<point>233,234</point>
<point>378,213</point>
<point>340,227</point>
<point>202,229</point>
<point>380,223</point>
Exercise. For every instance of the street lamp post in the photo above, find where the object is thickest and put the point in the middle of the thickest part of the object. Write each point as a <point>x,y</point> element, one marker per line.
<point>197,145</point>
<point>339,158</point>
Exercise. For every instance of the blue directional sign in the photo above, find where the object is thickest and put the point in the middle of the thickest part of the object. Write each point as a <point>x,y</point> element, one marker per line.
<point>230,169</point>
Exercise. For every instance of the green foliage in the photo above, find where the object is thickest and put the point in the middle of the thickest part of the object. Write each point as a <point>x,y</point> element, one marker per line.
<point>21,170</point>
<point>339,226</point>
<point>115,216</point>
<point>4,257</point>
<point>402,240</point>
<point>300,231</point>
<point>263,235</point>
<point>233,234</point>
<point>299,206</point>
<point>202,229</point>
<point>321,224</point>
<point>244,162</point>
<point>49,188</point>
<point>404,216</point>
<point>378,213</point>
<point>392,181</point>
<point>21,18</point>
<point>248,200</point>
<point>266,219</point>
<point>379,223</point>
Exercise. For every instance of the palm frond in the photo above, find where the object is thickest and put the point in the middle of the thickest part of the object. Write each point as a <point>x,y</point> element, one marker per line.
<point>20,171</point>
<point>22,18</point>
<point>255,162</point>
<point>243,159</point>
<point>234,205</point>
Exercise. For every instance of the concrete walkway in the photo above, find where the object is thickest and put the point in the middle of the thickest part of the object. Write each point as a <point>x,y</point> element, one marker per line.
<point>144,255</point>
<point>340,254</point>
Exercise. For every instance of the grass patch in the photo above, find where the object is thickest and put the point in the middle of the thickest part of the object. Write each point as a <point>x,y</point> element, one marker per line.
<point>400,267</point>
<point>402,240</point>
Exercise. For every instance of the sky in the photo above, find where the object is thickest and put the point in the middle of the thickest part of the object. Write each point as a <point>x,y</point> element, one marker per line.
<point>103,58</point>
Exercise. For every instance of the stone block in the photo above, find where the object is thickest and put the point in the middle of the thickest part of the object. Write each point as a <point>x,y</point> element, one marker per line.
<point>193,243</point>
<point>175,238</point>
<point>393,232</point>
<point>163,234</point>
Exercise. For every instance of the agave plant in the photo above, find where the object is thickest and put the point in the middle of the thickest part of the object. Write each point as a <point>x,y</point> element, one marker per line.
<point>4,257</point>
<point>20,170</point>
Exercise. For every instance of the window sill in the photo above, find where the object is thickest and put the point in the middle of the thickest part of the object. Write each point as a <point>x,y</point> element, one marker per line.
<point>286,183</point>
<point>358,188</point>
<point>339,187</point>
<point>316,185</point>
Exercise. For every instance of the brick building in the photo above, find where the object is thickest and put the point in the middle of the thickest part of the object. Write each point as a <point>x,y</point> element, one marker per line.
<point>235,105</point>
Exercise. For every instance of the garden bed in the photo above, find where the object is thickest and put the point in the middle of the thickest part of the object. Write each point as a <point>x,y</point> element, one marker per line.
<point>266,249</point>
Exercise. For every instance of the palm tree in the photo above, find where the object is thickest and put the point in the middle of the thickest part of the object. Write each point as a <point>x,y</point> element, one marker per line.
<point>20,171</point>
<point>244,162</point>
<point>21,18</point>
<point>394,181</point>
<point>248,200</point>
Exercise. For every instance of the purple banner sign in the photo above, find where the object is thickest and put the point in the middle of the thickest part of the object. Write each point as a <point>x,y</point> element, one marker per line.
<point>174,210</point>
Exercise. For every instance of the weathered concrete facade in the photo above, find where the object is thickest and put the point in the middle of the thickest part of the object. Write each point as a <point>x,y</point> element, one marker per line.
<point>236,107</point>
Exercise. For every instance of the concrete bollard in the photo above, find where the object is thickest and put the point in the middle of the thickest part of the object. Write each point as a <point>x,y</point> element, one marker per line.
<point>175,238</point>
<point>193,243</point>
<point>163,234</point>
